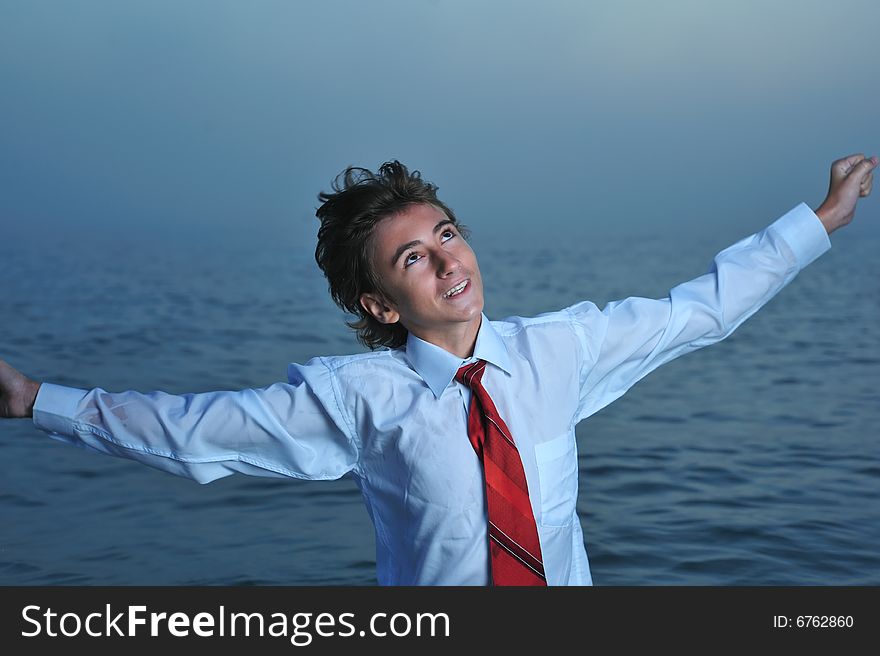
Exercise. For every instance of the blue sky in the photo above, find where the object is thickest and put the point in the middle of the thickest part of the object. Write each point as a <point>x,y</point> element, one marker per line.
<point>554,118</point>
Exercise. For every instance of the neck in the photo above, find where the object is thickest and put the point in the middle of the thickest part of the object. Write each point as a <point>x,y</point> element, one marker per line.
<point>459,340</point>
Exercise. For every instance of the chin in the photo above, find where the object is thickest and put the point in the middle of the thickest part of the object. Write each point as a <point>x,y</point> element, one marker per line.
<point>474,312</point>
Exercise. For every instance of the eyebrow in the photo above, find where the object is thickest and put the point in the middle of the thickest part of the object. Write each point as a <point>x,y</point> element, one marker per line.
<point>401,249</point>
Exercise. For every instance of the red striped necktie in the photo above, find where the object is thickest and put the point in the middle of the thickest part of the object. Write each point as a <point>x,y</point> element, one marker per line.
<point>513,535</point>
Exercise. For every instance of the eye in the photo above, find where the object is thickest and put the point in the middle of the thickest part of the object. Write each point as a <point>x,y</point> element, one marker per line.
<point>412,258</point>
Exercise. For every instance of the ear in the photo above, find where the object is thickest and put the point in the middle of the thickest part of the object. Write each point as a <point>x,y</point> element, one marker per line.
<point>379,308</point>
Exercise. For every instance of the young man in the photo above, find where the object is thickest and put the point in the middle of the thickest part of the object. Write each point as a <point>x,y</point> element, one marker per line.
<point>460,433</point>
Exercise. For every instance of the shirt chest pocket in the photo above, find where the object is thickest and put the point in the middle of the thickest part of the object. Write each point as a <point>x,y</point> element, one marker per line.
<point>557,467</point>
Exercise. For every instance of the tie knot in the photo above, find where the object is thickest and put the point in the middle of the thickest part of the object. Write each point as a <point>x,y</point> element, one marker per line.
<point>471,374</point>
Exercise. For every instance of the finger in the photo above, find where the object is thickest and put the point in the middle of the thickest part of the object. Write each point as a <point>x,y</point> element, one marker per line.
<point>841,168</point>
<point>863,168</point>
<point>846,163</point>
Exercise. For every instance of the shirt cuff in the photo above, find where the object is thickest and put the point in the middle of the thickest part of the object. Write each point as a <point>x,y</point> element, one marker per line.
<point>56,406</point>
<point>804,233</point>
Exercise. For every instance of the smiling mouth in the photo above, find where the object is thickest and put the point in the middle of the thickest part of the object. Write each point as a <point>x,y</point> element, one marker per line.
<point>458,289</point>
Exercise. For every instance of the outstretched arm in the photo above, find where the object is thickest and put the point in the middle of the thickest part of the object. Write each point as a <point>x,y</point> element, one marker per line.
<point>280,430</point>
<point>628,339</point>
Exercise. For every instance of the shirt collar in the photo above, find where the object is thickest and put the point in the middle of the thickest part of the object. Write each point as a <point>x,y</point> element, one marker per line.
<point>437,366</point>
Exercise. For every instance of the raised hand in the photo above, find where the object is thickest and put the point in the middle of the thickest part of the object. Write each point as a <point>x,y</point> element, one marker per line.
<point>851,179</point>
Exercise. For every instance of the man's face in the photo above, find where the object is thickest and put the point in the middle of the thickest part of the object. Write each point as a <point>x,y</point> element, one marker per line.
<point>420,256</point>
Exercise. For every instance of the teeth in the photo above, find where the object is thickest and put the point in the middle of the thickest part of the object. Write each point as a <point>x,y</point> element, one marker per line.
<point>457,289</point>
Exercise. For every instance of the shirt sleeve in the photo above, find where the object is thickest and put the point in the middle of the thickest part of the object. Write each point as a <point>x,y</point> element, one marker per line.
<point>283,430</point>
<point>628,339</point>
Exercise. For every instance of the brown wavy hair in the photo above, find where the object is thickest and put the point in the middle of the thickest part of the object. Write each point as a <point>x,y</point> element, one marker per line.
<point>360,200</point>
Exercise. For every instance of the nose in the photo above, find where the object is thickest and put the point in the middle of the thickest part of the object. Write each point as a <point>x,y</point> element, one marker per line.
<point>447,264</point>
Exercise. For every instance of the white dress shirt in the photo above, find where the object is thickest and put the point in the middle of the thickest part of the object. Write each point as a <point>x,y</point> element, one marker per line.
<point>397,420</point>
